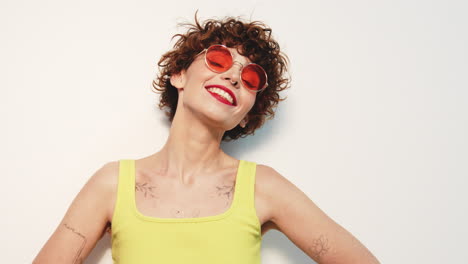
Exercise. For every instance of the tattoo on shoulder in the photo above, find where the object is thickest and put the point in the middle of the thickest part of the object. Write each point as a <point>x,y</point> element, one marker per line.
<point>146,189</point>
<point>319,247</point>
<point>78,259</point>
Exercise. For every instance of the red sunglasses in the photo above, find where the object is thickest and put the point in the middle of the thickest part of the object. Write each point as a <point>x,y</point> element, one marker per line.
<point>219,59</point>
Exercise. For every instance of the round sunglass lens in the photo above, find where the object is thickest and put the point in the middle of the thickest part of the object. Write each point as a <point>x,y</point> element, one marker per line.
<point>254,77</point>
<point>218,58</point>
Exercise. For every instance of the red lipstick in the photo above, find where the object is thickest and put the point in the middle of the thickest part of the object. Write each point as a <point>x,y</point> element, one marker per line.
<point>226,90</point>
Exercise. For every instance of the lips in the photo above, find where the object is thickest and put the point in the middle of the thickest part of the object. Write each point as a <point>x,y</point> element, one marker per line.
<point>224,89</point>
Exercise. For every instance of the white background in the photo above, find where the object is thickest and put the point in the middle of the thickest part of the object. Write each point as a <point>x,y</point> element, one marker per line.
<point>374,129</point>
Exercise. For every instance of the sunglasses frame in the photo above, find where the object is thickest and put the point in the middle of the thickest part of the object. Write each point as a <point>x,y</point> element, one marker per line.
<point>243,66</point>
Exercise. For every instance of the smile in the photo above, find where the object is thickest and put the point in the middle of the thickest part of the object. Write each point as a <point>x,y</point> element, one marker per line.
<point>222,94</point>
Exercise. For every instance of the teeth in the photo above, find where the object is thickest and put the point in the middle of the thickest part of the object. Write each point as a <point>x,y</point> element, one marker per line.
<point>221,93</point>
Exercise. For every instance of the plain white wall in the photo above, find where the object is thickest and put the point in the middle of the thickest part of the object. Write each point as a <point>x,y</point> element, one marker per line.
<point>374,129</point>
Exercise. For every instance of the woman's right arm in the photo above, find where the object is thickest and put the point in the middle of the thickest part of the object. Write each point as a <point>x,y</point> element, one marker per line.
<point>85,221</point>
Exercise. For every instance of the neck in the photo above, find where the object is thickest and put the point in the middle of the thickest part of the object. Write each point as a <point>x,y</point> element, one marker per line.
<point>192,148</point>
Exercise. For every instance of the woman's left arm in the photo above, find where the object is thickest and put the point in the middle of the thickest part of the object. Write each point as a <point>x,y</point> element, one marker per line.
<point>307,226</point>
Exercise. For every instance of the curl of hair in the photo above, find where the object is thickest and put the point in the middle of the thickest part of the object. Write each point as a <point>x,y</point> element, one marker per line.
<point>252,39</point>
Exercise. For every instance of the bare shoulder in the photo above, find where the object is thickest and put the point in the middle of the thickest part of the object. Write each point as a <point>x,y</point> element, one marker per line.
<point>85,221</point>
<point>270,178</point>
<point>107,179</point>
<point>294,214</point>
<point>104,182</point>
<point>269,184</point>
<point>280,193</point>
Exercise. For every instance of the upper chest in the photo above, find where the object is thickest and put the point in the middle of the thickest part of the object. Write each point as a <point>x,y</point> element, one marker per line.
<point>165,197</point>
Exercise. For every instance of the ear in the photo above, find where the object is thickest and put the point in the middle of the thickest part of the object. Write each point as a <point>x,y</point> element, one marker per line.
<point>244,122</point>
<point>178,79</point>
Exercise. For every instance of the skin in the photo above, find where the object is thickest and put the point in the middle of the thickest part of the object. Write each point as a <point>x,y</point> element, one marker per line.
<point>192,158</point>
<point>78,258</point>
<point>319,247</point>
<point>146,189</point>
<point>148,198</point>
<point>226,190</point>
<point>192,149</point>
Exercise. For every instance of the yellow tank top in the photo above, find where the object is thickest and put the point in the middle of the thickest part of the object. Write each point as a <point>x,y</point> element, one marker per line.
<point>233,237</point>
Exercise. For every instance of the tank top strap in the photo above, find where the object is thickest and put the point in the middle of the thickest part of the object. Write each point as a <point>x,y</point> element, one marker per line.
<point>246,186</point>
<point>124,206</point>
<point>122,210</point>
<point>230,238</point>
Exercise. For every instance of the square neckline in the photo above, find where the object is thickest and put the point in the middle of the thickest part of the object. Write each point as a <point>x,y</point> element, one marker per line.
<point>185,219</point>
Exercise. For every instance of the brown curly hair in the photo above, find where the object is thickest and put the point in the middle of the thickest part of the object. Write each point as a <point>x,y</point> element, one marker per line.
<point>252,39</point>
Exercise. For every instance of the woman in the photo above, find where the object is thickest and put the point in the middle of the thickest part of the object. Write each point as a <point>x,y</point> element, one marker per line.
<point>190,202</point>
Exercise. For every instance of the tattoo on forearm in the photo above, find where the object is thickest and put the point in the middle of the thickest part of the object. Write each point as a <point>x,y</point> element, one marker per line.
<point>146,189</point>
<point>319,247</point>
<point>77,259</point>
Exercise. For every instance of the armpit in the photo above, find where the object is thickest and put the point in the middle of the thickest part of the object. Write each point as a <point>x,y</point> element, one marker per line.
<point>269,225</point>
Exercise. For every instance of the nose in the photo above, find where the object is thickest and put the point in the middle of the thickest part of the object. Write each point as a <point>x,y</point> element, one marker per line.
<point>233,74</point>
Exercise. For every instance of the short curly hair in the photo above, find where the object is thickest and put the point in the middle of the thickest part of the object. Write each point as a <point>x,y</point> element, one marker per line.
<point>252,39</point>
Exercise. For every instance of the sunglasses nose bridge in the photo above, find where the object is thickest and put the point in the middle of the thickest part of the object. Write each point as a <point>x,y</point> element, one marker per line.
<point>233,73</point>
<point>238,63</point>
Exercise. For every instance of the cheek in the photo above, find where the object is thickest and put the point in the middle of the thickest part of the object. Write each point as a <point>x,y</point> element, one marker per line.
<point>249,99</point>
<point>197,73</point>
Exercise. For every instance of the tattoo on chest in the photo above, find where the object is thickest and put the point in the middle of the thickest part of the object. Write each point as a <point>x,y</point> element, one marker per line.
<point>146,189</point>
<point>227,190</point>
<point>149,191</point>
<point>319,247</point>
<point>180,214</point>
